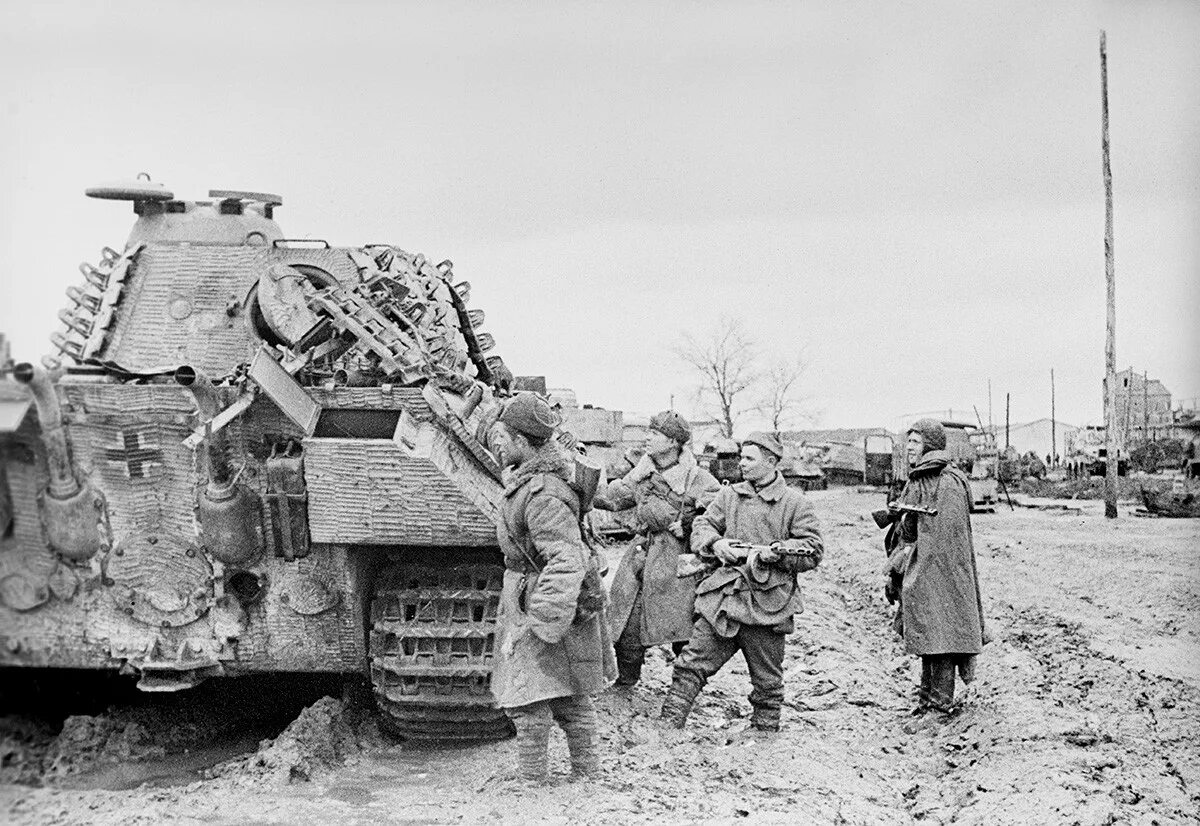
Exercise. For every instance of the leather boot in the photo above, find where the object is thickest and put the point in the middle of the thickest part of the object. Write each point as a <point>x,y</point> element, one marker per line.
<point>629,671</point>
<point>685,685</point>
<point>765,719</point>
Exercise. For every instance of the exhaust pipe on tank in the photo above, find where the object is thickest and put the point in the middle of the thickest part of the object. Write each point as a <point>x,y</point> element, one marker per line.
<point>230,514</point>
<point>216,462</point>
<point>63,483</point>
<point>72,512</point>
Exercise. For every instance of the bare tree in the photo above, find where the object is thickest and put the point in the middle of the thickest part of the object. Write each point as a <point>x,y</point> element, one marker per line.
<point>724,361</point>
<point>779,397</point>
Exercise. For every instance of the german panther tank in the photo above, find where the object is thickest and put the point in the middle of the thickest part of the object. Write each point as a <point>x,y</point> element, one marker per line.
<point>253,454</point>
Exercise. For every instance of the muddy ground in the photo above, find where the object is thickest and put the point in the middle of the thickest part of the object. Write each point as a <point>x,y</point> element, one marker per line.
<point>1086,710</point>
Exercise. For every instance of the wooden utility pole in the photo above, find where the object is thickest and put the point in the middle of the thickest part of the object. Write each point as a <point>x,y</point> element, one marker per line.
<point>1007,399</point>
<point>1110,278</point>
<point>1145,406</point>
<point>991,427</point>
<point>1127,428</point>
<point>1053,427</point>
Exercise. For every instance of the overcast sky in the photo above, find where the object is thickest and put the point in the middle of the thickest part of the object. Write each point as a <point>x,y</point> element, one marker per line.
<point>910,191</point>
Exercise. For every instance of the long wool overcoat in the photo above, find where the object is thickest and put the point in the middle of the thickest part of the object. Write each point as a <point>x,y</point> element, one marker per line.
<point>648,568</point>
<point>542,652</point>
<point>941,605</point>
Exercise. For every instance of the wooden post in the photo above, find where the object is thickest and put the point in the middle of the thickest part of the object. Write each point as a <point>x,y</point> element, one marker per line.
<point>1053,433</point>
<point>1145,406</point>
<point>1110,278</point>
<point>991,427</point>
<point>1127,428</point>
<point>1007,399</point>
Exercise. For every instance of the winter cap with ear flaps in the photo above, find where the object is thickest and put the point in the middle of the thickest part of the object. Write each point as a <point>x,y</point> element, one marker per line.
<point>931,431</point>
<point>529,414</point>
<point>765,441</point>
<point>672,425</point>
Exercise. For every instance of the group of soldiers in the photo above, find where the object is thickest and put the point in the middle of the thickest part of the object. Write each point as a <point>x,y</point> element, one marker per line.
<point>712,571</point>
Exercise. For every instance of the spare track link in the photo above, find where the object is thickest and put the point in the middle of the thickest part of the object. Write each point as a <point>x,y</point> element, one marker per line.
<point>432,637</point>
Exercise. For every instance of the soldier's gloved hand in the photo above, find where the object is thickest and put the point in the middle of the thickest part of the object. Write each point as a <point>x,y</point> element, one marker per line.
<point>644,469</point>
<point>676,529</point>
<point>510,640</point>
<point>724,551</point>
<point>769,555</point>
<point>891,589</point>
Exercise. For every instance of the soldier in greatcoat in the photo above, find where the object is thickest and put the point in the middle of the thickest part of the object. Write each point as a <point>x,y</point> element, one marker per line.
<point>654,587</point>
<point>941,610</point>
<point>747,603</point>
<point>551,657</point>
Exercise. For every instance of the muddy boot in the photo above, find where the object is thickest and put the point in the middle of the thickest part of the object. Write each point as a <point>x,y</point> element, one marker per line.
<point>764,718</point>
<point>577,718</point>
<point>923,694</point>
<point>631,654</point>
<point>629,670</point>
<point>533,741</point>
<point>941,682</point>
<point>685,685</point>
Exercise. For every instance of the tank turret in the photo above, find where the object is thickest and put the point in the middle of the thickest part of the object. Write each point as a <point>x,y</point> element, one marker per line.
<point>228,218</point>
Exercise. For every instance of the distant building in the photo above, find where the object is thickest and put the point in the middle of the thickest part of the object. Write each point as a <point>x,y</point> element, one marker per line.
<point>1035,436</point>
<point>1143,408</point>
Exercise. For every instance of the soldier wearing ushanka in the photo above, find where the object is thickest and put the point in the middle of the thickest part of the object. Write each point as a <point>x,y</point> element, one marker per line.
<point>655,583</point>
<point>763,533</point>
<point>550,657</point>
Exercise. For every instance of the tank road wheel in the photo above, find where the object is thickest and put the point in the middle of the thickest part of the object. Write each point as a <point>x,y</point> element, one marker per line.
<point>432,636</point>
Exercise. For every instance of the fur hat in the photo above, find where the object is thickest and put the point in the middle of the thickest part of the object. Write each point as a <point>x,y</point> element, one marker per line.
<point>931,431</point>
<point>528,413</point>
<point>765,441</point>
<point>672,425</point>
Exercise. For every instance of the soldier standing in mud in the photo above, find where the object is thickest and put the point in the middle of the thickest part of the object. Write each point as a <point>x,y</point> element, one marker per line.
<point>654,587</point>
<point>552,653</point>
<point>763,534</point>
<point>941,612</point>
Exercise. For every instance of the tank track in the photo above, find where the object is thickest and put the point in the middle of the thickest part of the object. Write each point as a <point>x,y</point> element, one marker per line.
<point>431,645</point>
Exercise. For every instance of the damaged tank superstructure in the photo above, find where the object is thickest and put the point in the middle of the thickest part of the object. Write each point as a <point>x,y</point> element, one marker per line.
<point>255,454</point>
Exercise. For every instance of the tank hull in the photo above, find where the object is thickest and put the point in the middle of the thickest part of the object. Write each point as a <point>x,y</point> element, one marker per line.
<point>271,439</point>
<point>157,589</point>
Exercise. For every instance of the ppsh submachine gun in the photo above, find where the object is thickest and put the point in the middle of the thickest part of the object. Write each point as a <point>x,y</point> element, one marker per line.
<point>885,517</point>
<point>747,549</point>
<point>248,454</point>
<point>891,518</point>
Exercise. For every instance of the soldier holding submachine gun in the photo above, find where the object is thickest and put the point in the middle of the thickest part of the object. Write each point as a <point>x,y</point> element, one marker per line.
<point>931,570</point>
<point>759,534</point>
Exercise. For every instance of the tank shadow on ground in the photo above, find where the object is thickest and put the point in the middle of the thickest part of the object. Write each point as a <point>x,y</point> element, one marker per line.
<point>94,730</point>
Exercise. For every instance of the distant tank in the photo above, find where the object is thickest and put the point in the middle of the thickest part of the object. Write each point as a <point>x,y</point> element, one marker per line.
<point>255,454</point>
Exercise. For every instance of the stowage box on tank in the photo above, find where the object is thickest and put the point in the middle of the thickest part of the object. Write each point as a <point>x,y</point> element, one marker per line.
<point>255,454</point>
